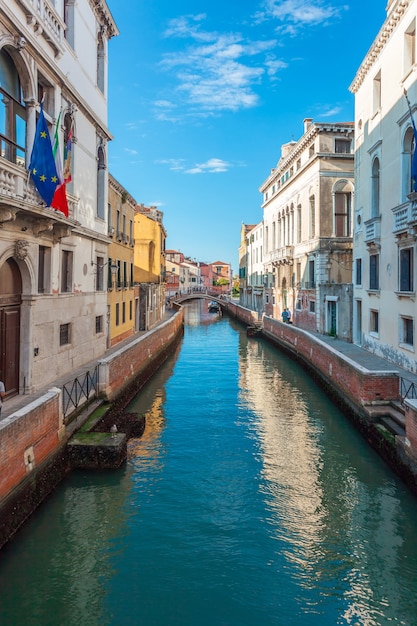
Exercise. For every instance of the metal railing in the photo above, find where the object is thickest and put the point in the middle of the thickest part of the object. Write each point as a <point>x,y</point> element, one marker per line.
<point>408,389</point>
<point>80,391</point>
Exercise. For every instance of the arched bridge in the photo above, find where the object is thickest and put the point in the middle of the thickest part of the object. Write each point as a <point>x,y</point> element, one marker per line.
<point>221,301</point>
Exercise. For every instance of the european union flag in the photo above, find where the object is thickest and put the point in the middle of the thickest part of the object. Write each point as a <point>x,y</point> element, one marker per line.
<point>42,163</point>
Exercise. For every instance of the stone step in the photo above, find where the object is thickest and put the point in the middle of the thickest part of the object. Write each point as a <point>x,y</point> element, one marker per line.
<point>392,425</point>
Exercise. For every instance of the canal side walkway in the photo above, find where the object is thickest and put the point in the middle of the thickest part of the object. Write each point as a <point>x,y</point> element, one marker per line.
<point>355,353</point>
<point>15,403</point>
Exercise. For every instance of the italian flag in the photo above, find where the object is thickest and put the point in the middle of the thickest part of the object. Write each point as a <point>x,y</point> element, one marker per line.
<point>59,201</point>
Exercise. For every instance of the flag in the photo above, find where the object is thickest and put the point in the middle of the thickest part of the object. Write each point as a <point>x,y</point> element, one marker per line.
<point>67,158</point>
<point>42,163</point>
<point>414,159</point>
<point>59,201</point>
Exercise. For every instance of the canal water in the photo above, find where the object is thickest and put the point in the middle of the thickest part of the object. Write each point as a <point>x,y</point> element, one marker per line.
<point>250,500</point>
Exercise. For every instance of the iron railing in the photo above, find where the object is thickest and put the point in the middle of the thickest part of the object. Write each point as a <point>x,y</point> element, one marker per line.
<point>80,391</point>
<point>408,389</point>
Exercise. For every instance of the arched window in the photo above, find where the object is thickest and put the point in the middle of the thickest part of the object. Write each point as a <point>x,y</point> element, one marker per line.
<point>68,151</point>
<point>375,190</point>
<point>12,112</point>
<point>101,181</point>
<point>407,157</point>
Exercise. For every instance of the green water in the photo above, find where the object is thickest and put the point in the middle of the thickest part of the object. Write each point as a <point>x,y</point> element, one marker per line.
<point>250,500</point>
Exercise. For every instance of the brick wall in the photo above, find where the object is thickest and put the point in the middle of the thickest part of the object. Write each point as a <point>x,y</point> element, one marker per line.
<point>27,438</point>
<point>130,362</point>
<point>353,381</point>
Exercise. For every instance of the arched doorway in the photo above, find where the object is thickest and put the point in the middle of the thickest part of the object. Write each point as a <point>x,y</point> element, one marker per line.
<point>10,302</point>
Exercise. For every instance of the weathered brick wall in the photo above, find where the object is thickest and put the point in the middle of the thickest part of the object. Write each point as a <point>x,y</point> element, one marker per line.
<point>245,315</point>
<point>411,423</point>
<point>353,381</point>
<point>120,369</point>
<point>27,438</point>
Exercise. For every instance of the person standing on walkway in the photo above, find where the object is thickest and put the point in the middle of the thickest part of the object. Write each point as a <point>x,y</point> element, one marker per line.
<point>288,315</point>
<point>2,394</point>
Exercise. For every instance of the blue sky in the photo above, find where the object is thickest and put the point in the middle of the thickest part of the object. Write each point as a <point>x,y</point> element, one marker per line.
<point>203,94</point>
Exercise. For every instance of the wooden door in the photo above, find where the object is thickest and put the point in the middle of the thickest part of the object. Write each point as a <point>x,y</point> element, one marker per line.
<point>10,299</point>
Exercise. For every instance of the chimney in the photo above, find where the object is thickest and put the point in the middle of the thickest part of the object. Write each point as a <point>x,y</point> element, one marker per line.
<point>307,123</point>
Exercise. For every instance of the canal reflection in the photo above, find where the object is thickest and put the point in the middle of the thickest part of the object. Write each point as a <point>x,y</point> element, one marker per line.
<point>250,499</point>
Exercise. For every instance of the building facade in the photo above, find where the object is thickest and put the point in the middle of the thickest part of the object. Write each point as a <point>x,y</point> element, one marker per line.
<point>122,294</point>
<point>307,239</point>
<point>149,265</point>
<point>253,292</point>
<point>52,308</point>
<point>385,220</point>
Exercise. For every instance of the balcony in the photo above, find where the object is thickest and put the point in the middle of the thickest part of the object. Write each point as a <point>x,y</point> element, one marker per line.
<point>405,215</point>
<point>45,21</point>
<point>19,200</point>
<point>282,256</point>
<point>373,231</point>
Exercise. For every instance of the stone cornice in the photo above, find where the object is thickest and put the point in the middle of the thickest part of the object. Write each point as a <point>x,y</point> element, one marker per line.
<point>104,16</point>
<point>314,130</point>
<point>396,10</point>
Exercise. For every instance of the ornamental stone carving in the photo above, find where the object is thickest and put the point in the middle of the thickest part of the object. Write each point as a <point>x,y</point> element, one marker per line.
<point>21,249</point>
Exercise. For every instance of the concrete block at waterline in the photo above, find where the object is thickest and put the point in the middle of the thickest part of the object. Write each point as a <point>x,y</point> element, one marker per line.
<point>97,450</point>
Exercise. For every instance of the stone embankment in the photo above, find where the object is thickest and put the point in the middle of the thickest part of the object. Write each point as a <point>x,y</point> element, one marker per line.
<point>33,439</point>
<point>364,386</point>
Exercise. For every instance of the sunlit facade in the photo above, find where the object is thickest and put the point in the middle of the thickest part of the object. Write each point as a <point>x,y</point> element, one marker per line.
<point>52,307</point>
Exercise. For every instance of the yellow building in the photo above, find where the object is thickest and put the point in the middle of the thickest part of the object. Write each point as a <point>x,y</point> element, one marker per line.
<point>122,296</point>
<point>149,264</point>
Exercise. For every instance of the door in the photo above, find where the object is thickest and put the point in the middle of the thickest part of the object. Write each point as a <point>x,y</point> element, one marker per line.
<point>10,299</point>
<point>332,317</point>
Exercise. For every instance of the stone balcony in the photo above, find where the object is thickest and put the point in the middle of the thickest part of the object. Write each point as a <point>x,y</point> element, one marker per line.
<point>282,256</point>
<point>405,215</point>
<point>373,231</point>
<point>19,201</point>
<point>45,22</point>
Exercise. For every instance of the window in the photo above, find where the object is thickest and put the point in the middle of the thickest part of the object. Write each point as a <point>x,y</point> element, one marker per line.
<point>117,313</point>
<point>101,181</point>
<point>298,304</point>
<point>312,306</point>
<point>342,146</point>
<point>312,217</point>
<point>342,212</point>
<point>311,275</point>
<point>69,8</point>
<point>407,185</point>
<point>64,334</point>
<point>358,272</point>
<point>101,54</point>
<point>130,309</point>
<point>374,271</point>
<point>406,269</point>
<point>44,264</point>
<point>12,112</point>
<point>68,151</point>
<point>131,232</point>
<point>66,271</point>
<point>374,322</point>
<point>99,324</point>
<point>410,47</point>
<point>299,224</point>
<point>377,93</point>
<point>99,273</point>
<point>407,331</point>
<point>375,188</point>
<point>123,312</point>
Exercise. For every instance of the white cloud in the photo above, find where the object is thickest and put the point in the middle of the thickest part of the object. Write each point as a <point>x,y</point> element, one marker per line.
<point>130,151</point>
<point>295,14</point>
<point>212,166</point>
<point>218,71</point>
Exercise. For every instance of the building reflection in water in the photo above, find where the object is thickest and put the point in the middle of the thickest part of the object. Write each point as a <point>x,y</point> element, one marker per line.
<point>317,519</point>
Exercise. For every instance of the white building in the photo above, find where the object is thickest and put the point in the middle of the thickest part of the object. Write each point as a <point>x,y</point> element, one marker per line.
<point>52,290</point>
<point>251,269</point>
<point>385,224</point>
<point>307,244</point>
